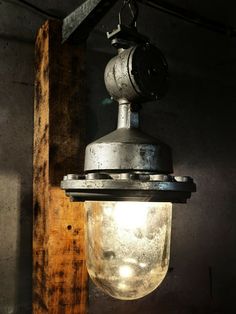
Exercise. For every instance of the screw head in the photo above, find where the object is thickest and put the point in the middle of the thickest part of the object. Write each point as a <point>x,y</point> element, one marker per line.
<point>72,176</point>
<point>183,179</point>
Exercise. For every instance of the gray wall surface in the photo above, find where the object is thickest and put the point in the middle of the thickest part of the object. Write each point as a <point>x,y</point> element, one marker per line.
<point>196,118</point>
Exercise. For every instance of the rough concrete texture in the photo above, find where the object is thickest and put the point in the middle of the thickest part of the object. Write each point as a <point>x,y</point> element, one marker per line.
<point>16,103</point>
<point>196,118</point>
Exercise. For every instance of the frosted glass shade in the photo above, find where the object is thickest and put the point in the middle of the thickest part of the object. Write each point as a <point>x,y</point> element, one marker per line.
<point>127,246</point>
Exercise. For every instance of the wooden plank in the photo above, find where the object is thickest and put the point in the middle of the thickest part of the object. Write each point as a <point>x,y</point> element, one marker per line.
<point>59,272</point>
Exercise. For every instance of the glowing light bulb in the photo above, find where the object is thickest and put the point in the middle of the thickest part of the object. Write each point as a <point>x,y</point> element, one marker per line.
<point>128,246</point>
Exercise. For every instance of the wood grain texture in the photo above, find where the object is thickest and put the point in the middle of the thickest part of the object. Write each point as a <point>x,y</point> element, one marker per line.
<point>59,271</point>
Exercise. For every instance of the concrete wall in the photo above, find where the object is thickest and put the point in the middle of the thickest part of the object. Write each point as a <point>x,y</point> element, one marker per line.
<point>196,119</point>
<point>16,123</point>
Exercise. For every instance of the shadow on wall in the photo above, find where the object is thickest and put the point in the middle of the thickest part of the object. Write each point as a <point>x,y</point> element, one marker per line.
<point>16,129</point>
<point>15,261</point>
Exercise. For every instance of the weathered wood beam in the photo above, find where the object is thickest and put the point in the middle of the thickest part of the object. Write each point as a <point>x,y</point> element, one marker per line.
<point>59,272</point>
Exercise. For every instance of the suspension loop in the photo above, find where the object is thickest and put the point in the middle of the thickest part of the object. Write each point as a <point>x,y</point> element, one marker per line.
<point>132,6</point>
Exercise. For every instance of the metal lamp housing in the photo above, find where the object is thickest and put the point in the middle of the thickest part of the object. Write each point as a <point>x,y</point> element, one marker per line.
<point>136,74</point>
<point>126,164</point>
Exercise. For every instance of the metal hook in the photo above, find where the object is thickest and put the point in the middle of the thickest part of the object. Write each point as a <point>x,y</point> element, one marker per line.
<point>134,11</point>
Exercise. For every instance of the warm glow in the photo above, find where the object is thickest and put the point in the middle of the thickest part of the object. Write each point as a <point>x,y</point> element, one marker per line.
<point>125,271</point>
<point>131,215</point>
<point>128,246</point>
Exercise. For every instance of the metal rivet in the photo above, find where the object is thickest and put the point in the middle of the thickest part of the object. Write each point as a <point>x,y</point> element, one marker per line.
<point>183,179</point>
<point>72,176</point>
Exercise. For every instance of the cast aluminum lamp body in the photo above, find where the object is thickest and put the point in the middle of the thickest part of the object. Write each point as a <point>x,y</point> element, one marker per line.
<point>127,186</point>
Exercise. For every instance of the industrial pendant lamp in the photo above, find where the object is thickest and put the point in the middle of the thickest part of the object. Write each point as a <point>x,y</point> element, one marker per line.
<point>127,186</point>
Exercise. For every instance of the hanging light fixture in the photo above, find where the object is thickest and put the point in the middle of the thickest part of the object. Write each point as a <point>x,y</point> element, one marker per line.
<point>127,186</point>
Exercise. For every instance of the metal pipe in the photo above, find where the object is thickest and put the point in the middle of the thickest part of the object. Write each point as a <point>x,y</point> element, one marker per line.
<point>126,117</point>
